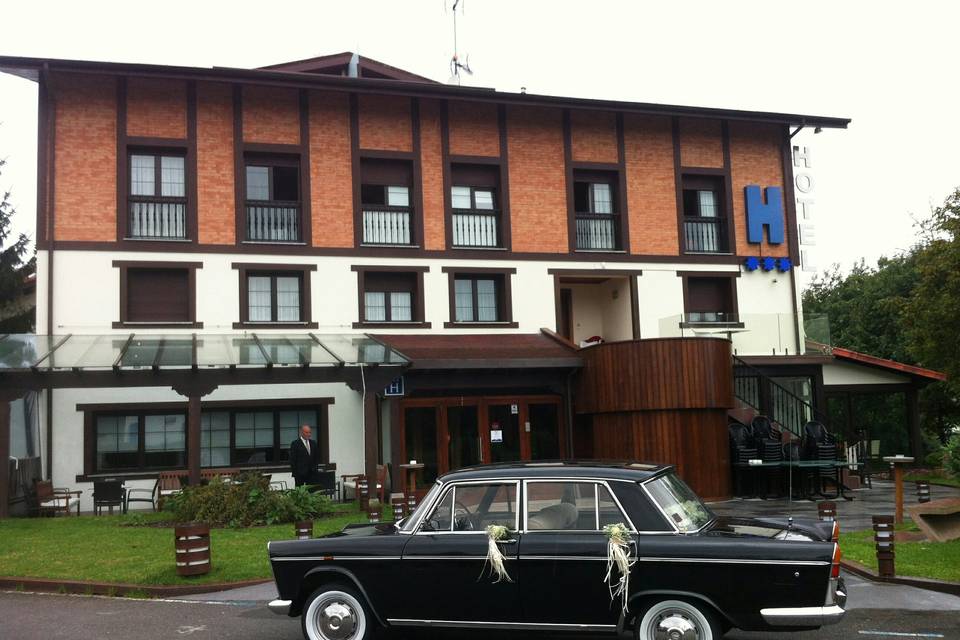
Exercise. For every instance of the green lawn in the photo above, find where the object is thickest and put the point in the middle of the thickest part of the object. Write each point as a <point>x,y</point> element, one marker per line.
<point>938,560</point>
<point>100,549</point>
<point>933,478</point>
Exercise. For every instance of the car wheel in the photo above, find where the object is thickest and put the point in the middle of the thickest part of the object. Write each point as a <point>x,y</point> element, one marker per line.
<point>677,620</point>
<point>335,612</point>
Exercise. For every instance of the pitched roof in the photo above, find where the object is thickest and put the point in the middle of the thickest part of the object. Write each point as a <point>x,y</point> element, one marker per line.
<point>890,365</point>
<point>483,351</point>
<point>337,64</point>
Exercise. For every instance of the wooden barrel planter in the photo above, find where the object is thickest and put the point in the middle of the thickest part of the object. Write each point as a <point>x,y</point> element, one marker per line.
<point>192,546</point>
<point>303,529</point>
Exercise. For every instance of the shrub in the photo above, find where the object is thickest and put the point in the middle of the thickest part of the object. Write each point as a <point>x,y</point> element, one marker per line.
<point>247,501</point>
<point>951,457</point>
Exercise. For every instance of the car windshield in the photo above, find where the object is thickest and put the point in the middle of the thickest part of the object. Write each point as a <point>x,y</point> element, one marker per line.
<point>681,505</point>
<point>410,521</point>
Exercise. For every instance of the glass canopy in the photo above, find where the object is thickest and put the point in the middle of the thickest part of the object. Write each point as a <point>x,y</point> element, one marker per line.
<point>139,351</point>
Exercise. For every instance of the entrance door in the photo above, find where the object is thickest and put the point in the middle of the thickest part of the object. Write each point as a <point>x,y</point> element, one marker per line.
<point>544,428</point>
<point>465,447</point>
<point>504,432</point>
<point>421,441</point>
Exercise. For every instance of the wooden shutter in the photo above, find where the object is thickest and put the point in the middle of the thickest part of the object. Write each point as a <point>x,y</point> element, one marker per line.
<point>710,294</point>
<point>158,295</point>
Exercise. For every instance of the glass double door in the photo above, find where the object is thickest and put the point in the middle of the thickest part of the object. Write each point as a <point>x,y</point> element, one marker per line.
<point>451,433</point>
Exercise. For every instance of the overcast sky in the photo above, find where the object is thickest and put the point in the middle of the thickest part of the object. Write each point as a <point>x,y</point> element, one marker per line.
<point>892,70</point>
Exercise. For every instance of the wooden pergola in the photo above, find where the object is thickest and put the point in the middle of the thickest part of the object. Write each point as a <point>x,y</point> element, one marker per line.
<point>193,365</point>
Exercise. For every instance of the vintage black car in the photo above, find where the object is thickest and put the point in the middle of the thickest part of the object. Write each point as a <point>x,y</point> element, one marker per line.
<point>695,575</point>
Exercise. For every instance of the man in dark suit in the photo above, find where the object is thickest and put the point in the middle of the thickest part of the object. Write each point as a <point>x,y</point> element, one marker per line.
<point>304,457</point>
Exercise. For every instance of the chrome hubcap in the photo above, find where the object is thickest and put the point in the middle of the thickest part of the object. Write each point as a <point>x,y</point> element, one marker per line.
<point>336,620</point>
<point>673,625</point>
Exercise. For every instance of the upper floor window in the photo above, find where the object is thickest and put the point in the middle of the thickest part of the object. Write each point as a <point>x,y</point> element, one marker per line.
<point>710,299</point>
<point>480,297</point>
<point>390,296</point>
<point>385,200</point>
<point>274,295</point>
<point>273,206</point>
<point>704,215</point>
<point>595,201</point>
<point>157,293</point>
<point>157,196</point>
<point>475,208</point>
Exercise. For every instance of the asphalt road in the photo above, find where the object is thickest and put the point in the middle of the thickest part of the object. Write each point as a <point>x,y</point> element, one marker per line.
<point>877,612</point>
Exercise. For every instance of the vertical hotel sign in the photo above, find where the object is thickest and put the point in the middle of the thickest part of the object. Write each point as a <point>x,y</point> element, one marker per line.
<point>803,185</point>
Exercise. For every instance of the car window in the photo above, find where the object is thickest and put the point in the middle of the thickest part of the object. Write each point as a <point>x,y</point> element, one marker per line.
<point>442,516</point>
<point>561,506</point>
<point>476,506</point>
<point>680,504</point>
<point>609,511</point>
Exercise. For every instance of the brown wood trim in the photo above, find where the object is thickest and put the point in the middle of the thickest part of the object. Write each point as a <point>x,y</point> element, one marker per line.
<point>192,178</point>
<point>306,304</point>
<point>728,188</point>
<point>115,407</point>
<point>622,187</point>
<point>417,230</point>
<point>709,274</point>
<point>635,306</point>
<point>704,171</point>
<point>157,264</point>
<point>506,297</point>
<point>446,161</point>
<point>481,325</point>
<point>180,144</point>
<point>595,272</point>
<point>685,275</point>
<point>239,180</point>
<point>556,337</point>
<point>273,147</point>
<point>419,313</point>
<point>156,325</point>
<point>678,183</point>
<point>793,231</point>
<point>122,179</point>
<point>306,196</point>
<point>371,252</point>
<point>568,173</point>
<point>386,154</point>
<point>355,169</point>
<point>503,270</point>
<point>191,267</point>
<point>506,237</point>
<point>43,130</point>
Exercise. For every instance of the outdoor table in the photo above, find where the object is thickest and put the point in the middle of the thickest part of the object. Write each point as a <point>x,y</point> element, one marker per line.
<point>412,468</point>
<point>795,465</point>
<point>897,463</point>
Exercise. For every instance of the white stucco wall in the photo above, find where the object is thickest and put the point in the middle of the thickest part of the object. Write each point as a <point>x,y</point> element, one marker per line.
<point>837,373</point>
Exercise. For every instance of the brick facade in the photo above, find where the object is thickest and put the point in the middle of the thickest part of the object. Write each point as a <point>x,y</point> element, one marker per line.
<point>86,116</point>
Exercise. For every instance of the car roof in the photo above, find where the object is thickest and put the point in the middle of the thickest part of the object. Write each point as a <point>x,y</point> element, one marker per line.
<point>617,470</point>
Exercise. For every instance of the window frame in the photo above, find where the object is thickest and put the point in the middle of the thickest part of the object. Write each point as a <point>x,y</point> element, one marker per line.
<point>596,505</point>
<point>706,179</point>
<point>129,146</point>
<point>247,269</point>
<point>141,438</point>
<point>730,277</point>
<point>504,296</point>
<point>452,487</point>
<point>473,198</point>
<point>418,319</point>
<point>592,173</point>
<point>277,405</point>
<point>126,265</point>
<point>380,168</point>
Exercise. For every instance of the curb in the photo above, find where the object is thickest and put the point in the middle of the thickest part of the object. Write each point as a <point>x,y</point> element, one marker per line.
<point>942,586</point>
<point>81,587</point>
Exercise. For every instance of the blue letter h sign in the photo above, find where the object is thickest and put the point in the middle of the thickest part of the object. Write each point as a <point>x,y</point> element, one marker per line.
<point>760,214</point>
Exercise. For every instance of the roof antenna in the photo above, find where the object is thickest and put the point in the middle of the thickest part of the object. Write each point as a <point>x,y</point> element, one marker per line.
<point>455,65</point>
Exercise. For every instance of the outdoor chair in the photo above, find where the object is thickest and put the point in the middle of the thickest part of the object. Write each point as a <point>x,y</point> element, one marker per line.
<point>327,484</point>
<point>771,451</point>
<point>167,484</point>
<point>742,450</point>
<point>763,429</point>
<point>51,501</point>
<point>352,482</point>
<point>108,493</point>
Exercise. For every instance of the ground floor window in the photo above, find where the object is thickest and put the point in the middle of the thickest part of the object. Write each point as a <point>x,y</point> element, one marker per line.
<point>258,436</point>
<point>140,441</point>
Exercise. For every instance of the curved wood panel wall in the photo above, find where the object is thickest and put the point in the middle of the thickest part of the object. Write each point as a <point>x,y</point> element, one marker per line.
<point>664,401</point>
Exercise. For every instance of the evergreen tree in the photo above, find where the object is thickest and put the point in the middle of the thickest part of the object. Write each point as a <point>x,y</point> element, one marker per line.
<point>14,271</point>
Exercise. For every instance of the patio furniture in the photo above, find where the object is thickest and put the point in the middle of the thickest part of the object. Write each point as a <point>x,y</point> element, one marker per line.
<point>51,501</point>
<point>167,484</point>
<point>109,493</point>
<point>771,451</point>
<point>327,484</point>
<point>412,468</point>
<point>353,482</point>
<point>742,449</point>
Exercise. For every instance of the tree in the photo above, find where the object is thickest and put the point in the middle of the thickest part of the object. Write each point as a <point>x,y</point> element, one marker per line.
<point>16,315</point>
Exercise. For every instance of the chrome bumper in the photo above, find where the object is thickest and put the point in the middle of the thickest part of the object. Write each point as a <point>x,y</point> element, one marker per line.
<point>803,616</point>
<point>280,607</point>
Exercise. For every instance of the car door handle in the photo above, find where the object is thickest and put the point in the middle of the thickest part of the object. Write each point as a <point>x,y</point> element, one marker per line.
<point>510,541</point>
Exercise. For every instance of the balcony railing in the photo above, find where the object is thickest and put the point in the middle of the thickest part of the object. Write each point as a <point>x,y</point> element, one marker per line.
<point>705,235</point>
<point>157,220</point>
<point>386,225</point>
<point>711,317</point>
<point>475,229</point>
<point>273,221</point>
<point>598,232</point>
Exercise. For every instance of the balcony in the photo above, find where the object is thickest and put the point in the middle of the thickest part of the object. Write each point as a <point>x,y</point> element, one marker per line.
<point>476,229</point>
<point>754,333</point>
<point>271,221</point>
<point>157,219</point>
<point>705,235</point>
<point>385,225</point>
<point>598,232</point>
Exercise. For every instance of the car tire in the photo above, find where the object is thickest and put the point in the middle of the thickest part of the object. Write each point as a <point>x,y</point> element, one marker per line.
<point>336,612</point>
<point>677,619</point>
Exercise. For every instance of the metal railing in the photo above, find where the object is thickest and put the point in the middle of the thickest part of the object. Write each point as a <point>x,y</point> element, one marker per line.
<point>789,411</point>
<point>386,225</point>
<point>705,235</point>
<point>155,219</point>
<point>273,221</point>
<point>475,229</point>
<point>598,231</point>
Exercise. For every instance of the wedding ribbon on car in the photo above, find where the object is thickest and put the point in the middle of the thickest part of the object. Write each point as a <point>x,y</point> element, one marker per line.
<point>496,533</point>
<point>618,556</point>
